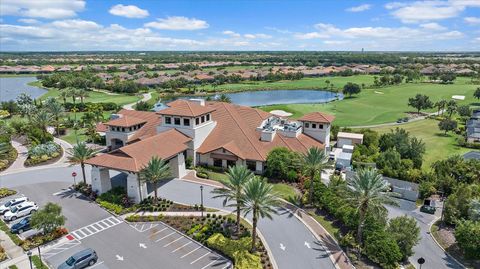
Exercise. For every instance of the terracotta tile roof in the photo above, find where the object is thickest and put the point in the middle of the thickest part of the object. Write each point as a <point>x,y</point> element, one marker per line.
<point>151,119</point>
<point>317,117</point>
<point>101,127</point>
<point>185,108</point>
<point>125,121</point>
<point>236,132</point>
<point>135,156</point>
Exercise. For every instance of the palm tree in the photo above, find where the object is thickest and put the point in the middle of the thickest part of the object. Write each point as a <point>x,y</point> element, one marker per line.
<point>368,192</point>
<point>260,200</point>
<point>64,94</point>
<point>233,190</point>
<point>82,94</point>
<point>57,110</point>
<point>451,108</point>
<point>440,105</point>
<point>314,162</point>
<point>72,92</point>
<point>224,98</point>
<point>79,154</point>
<point>155,171</point>
<point>42,119</point>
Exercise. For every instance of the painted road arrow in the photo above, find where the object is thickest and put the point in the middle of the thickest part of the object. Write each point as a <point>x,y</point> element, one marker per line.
<point>282,247</point>
<point>307,244</point>
<point>142,245</point>
<point>119,258</point>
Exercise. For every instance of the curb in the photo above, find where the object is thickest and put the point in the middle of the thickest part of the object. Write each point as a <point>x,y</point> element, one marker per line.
<point>438,244</point>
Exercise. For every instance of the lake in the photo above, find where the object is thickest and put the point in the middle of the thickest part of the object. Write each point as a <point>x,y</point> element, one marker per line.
<point>11,87</point>
<point>272,97</point>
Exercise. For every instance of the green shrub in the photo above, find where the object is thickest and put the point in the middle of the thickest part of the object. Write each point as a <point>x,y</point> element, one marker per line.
<point>12,267</point>
<point>117,209</point>
<point>236,250</point>
<point>467,234</point>
<point>6,230</point>
<point>4,192</point>
<point>381,248</point>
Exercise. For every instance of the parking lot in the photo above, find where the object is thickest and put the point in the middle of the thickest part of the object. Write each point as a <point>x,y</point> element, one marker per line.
<point>117,243</point>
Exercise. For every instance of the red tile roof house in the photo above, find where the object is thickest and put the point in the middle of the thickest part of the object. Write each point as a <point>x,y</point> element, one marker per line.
<point>211,133</point>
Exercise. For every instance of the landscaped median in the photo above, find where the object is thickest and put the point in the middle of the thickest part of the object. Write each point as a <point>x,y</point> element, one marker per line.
<point>217,231</point>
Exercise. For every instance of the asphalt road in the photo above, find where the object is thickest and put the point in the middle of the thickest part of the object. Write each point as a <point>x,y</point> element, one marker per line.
<point>435,257</point>
<point>291,243</point>
<point>118,244</point>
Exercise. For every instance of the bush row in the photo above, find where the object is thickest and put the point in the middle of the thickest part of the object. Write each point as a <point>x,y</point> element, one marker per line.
<point>236,250</point>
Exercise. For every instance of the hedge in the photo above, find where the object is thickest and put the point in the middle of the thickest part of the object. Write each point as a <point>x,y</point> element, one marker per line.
<point>236,250</point>
<point>4,192</point>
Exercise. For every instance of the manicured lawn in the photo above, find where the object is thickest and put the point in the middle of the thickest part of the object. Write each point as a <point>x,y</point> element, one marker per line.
<point>438,146</point>
<point>96,97</point>
<point>375,106</point>
<point>325,223</point>
<point>285,191</point>
<point>72,139</point>
<point>302,84</point>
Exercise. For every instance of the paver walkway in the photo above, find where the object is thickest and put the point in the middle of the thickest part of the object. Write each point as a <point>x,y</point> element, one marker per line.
<point>338,257</point>
<point>21,157</point>
<point>146,96</point>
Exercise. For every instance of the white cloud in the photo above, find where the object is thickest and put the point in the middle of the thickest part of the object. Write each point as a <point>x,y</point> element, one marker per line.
<point>231,33</point>
<point>76,24</point>
<point>429,10</point>
<point>29,21</point>
<point>433,26</point>
<point>359,8</point>
<point>336,42</point>
<point>311,35</point>
<point>472,20</point>
<point>48,9</point>
<point>253,36</point>
<point>129,11</point>
<point>178,23</point>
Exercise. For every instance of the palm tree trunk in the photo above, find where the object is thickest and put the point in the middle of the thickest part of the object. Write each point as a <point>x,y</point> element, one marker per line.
<point>312,178</point>
<point>83,172</point>
<point>254,232</point>
<point>155,193</point>
<point>361,217</point>
<point>238,220</point>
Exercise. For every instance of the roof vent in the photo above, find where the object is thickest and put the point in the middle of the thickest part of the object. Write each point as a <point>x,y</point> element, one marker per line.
<point>199,101</point>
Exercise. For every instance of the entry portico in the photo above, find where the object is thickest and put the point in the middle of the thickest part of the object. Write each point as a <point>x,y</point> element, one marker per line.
<point>131,159</point>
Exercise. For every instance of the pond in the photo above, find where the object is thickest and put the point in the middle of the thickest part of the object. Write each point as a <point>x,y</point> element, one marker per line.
<point>11,87</point>
<point>272,97</point>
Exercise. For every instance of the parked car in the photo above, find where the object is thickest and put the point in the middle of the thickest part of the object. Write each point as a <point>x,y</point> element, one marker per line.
<point>82,259</point>
<point>21,210</point>
<point>20,227</point>
<point>428,209</point>
<point>6,206</point>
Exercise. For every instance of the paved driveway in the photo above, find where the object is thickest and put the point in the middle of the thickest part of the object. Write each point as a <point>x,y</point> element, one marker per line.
<point>435,257</point>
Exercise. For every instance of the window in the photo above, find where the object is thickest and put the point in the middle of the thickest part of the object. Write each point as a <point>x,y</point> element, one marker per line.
<point>123,129</point>
<point>252,165</point>
<point>217,162</point>
<point>208,117</point>
<point>314,125</point>
<point>176,121</point>
<point>168,120</point>
<point>197,121</point>
<point>203,119</point>
<point>307,125</point>
<point>320,126</point>
<point>186,122</point>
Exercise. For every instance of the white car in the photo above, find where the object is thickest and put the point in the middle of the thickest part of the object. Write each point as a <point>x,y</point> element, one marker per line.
<point>20,210</point>
<point>6,206</point>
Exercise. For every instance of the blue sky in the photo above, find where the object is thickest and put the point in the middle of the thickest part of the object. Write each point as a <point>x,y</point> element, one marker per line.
<point>66,25</point>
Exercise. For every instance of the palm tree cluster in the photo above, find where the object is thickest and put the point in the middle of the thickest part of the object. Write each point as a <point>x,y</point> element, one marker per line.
<point>79,154</point>
<point>249,194</point>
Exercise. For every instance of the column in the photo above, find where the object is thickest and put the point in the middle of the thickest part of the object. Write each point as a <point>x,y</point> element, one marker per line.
<point>136,190</point>
<point>100,180</point>
<point>259,168</point>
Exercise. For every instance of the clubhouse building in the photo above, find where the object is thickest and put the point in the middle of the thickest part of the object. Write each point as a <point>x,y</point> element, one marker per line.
<point>207,133</point>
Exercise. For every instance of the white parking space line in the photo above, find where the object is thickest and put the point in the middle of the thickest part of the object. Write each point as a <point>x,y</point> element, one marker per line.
<point>190,252</point>
<point>95,265</point>
<point>165,237</point>
<point>211,262</point>
<point>160,231</point>
<point>173,242</point>
<point>177,249</point>
<point>199,258</point>
<point>95,228</point>
<point>228,265</point>
<point>60,248</point>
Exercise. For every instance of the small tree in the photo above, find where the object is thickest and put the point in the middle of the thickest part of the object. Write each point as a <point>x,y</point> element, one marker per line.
<point>464,111</point>
<point>48,219</point>
<point>476,94</point>
<point>79,154</point>
<point>155,171</point>
<point>406,232</point>
<point>420,102</point>
<point>447,125</point>
<point>467,234</point>
<point>351,88</point>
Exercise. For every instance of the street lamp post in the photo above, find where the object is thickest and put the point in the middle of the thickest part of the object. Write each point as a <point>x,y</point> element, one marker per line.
<point>29,254</point>
<point>39,254</point>
<point>201,199</point>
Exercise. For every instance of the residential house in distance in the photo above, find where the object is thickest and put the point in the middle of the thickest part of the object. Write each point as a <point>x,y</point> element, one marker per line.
<point>473,128</point>
<point>208,133</point>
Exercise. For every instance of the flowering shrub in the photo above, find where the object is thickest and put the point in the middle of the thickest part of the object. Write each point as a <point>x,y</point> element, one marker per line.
<point>42,153</point>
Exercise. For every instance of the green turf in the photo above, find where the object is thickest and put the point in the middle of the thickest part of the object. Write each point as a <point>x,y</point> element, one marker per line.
<point>305,83</point>
<point>370,107</point>
<point>97,97</point>
<point>71,138</point>
<point>284,191</point>
<point>438,146</point>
